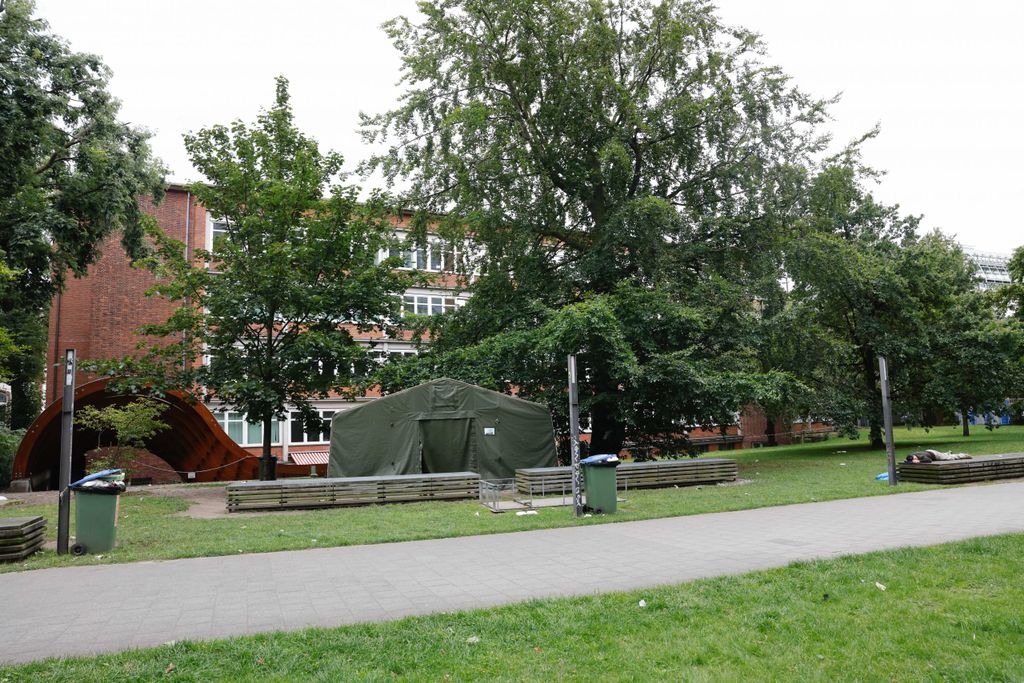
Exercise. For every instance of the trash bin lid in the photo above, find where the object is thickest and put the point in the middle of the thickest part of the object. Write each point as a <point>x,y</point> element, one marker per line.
<point>97,475</point>
<point>605,459</point>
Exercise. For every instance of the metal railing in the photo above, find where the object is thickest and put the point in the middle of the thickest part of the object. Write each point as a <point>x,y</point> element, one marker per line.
<point>493,490</point>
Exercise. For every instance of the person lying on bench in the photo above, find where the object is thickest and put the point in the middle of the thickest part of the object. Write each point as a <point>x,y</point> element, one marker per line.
<point>931,455</point>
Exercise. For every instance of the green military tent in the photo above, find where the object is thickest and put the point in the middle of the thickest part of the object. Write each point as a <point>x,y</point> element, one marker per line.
<point>442,426</point>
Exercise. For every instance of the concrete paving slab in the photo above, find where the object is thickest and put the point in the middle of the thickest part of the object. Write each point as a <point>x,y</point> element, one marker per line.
<point>44,613</point>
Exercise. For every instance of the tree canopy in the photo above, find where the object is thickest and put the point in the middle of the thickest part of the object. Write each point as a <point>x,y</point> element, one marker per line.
<point>871,286</point>
<point>274,304</point>
<point>647,191</point>
<point>71,174</point>
<point>625,167</point>
<point>127,427</point>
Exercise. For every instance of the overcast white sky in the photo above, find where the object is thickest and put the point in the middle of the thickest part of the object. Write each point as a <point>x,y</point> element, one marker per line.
<point>943,79</point>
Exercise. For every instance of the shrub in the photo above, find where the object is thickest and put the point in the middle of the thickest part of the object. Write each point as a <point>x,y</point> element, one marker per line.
<point>9,440</point>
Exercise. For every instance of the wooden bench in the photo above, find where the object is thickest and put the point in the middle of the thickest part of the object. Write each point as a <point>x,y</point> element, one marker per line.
<point>981,468</point>
<point>320,493</point>
<point>812,436</point>
<point>540,481</point>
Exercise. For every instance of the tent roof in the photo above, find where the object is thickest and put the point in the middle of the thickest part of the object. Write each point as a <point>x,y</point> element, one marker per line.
<point>419,388</point>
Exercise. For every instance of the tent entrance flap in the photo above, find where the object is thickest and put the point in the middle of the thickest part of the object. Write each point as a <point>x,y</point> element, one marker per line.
<point>447,445</point>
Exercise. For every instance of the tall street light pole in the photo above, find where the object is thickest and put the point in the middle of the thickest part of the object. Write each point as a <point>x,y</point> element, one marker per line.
<point>574,437</point>
<point>890,448</point>
<point>67,412</point>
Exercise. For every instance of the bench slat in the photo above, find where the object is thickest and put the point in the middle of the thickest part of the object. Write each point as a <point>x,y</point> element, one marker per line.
<point>982,468</point>
<point>649,474</point>
<point>338,491</point>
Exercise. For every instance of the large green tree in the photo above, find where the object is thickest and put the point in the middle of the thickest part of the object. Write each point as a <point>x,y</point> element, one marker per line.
<point>975,359</point>
<point>274,304</point>
<point>71,174</point>
<point>872,286</point>
<point>625,167</point>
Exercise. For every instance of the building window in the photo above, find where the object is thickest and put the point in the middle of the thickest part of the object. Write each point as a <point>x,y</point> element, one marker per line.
<point>246,433</point>
<point>380,356</point>
<point>300,434</point>
<point>424,304</point>
<point>217,230</point>
<point>377,357</point>
<point>435,258</point>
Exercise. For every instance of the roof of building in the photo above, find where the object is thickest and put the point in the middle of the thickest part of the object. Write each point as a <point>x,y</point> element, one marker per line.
<point>993,267</point>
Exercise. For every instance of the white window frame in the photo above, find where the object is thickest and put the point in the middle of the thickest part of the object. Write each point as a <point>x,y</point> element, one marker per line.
<point>429,303</point>
<point>438,256</point>
<point>325,413</point>
<point>225,419</point>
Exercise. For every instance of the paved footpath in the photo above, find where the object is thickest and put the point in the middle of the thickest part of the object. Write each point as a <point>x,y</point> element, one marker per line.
<point>48,612</point>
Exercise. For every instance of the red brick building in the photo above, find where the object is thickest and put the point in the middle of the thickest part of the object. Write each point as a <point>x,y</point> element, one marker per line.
<point>98,315</point>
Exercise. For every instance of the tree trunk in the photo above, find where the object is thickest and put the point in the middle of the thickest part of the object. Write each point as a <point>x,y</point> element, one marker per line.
<point>877,440</point>
<point>868,366</point>
<point>607,432</point>
<point>769,429</point>
<point>963,419</point>
<point>268,463</point>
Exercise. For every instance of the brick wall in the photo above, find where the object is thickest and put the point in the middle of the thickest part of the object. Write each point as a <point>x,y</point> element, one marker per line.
<point>97,315</point>
<point>754,425</point>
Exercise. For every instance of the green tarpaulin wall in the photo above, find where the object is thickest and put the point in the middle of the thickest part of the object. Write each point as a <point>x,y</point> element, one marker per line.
<point>442,426</point>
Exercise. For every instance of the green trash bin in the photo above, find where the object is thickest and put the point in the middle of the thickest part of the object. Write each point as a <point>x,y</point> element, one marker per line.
<point>97,498</point>
<point>599,482</point>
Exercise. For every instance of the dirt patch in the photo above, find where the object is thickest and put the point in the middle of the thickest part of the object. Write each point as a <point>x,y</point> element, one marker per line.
<point>206,502</point>
<point>33,498</point>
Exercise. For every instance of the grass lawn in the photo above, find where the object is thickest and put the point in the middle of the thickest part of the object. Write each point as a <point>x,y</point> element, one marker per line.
<point>839,468</point>
<point>950,612</point>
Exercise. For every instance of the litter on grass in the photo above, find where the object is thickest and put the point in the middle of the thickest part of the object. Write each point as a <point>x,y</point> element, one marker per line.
<point>643,603</point>
<point>526,512</point>
<point>880,586</point>
<point>884,476</point>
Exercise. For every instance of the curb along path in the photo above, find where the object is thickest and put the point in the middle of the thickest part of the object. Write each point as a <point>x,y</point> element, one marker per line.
<point>49,612</point>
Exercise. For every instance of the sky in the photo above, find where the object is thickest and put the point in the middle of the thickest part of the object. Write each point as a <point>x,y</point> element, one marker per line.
<point>942,80</point>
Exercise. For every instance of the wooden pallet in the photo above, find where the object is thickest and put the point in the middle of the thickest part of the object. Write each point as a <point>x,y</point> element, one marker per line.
<point>551,480</point>
<point>20,537</point>
<point>319,493</point>
<point>981,468</point>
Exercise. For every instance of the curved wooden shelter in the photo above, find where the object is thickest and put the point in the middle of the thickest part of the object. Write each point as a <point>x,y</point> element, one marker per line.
<point>193,443</point>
